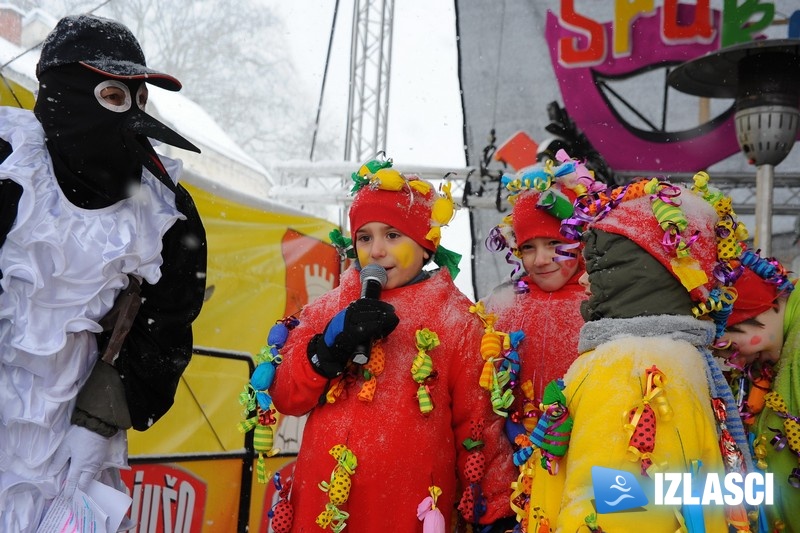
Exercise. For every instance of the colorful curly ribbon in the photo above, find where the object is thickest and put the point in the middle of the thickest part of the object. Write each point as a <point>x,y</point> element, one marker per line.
<point>552,432</point>
<point>769,269</point>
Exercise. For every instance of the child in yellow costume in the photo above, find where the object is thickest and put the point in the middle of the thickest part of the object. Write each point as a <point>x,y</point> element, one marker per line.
<point>646,395</point>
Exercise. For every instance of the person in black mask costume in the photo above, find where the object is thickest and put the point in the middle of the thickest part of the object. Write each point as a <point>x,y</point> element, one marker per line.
<point>102,269</point>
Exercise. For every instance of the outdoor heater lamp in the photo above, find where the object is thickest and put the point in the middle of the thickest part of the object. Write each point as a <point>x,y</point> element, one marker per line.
<point>764,79</point>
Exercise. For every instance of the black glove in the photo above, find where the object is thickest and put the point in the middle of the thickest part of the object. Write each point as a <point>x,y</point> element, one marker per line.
<point>362,322</point>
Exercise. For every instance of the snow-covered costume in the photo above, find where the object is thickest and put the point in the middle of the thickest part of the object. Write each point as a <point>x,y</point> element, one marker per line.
<point>646,395</point>
<point>409,430</point>
<point>400,450</point>
<point>541,196</point>
<point>546,318</point>
<point>63,267</point>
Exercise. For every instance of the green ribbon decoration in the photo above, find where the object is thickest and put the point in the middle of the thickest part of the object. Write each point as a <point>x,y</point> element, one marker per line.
<point>447,259</point>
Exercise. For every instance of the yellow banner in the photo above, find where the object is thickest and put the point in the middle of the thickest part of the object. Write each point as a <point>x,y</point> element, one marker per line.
<point>261,267</point>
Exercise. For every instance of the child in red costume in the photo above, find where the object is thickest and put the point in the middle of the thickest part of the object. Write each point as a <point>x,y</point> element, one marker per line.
<point>544,303</point>
<point>383,435</point>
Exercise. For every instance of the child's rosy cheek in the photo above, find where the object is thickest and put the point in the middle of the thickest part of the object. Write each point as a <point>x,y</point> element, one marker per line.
<point>567,269</point>
<point>755,339</point>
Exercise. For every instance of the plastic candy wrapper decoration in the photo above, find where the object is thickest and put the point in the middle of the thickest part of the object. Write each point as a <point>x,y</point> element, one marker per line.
<point>431,516</point>
<point>472,504</point>
<point>733,458</point>
<point>256,399</point>
<point>338,489</point>
<point>362,176</point>
<point>422,368</point>
<point>282,514</point>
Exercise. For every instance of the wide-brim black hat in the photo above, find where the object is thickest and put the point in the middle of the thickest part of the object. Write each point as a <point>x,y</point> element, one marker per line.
<point>102,45</point>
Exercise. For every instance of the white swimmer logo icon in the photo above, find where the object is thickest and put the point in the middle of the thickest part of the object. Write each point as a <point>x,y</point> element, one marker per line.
<point>616,490</point>
<point>619,486</point>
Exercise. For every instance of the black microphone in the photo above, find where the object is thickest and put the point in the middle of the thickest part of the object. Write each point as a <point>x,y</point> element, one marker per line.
<point>373,279</point>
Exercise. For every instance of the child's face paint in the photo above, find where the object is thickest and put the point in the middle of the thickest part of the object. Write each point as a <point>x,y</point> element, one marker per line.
<point>380,243</point>
<point>538,259</point>
<point>757,342</point>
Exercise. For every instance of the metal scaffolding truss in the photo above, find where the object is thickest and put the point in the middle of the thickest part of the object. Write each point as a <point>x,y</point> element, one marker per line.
<point>328,183</point>
<point>370,72</point>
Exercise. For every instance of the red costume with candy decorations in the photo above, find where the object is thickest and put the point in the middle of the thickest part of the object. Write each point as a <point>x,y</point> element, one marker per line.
<point>380,435</point>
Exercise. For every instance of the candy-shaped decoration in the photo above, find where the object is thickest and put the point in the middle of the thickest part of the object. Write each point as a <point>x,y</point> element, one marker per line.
<point>443,208</point>
<point>640,422</point>
<point>472,505</point>
<point>367,170</point>
<point>282,513</point>
<point>556,203</point>
<point>491,348</point>
<point>431,516</point>
<point>388,179</point>
<point>422,368</point>
<point>733,459</point>
<point>338,489</point>
<point>371,370</point>
<point>667,211</point>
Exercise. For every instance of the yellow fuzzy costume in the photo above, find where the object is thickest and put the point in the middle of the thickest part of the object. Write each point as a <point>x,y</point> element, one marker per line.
<point>645,395</point>
<point>608,381</point>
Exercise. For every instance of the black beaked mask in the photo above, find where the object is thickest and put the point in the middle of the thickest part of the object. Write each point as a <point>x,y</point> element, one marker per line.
<point>98,148</point>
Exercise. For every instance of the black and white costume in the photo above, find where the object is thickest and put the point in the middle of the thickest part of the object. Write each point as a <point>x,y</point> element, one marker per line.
<point>66,254</point>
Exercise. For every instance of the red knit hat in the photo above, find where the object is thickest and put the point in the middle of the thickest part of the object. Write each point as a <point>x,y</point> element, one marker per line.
<point>635,219</point>
<point>407,210</point>
<point>530,217</point>
<point>755,295</point>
